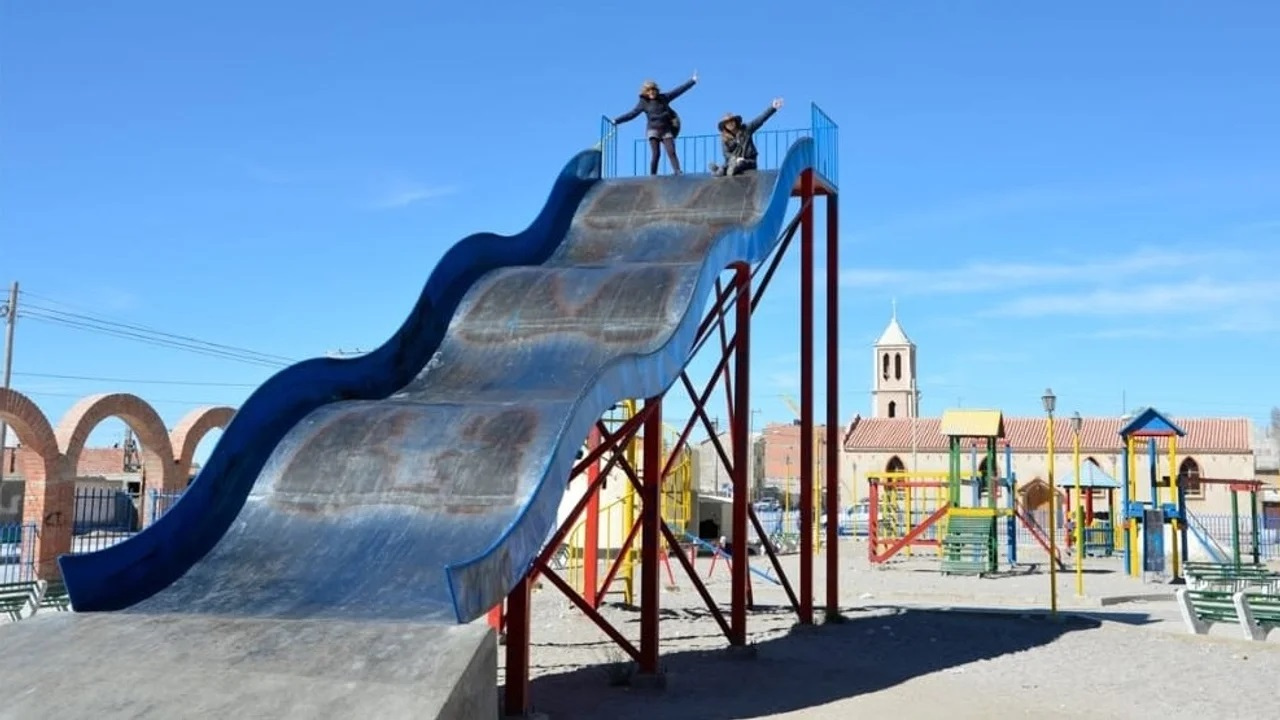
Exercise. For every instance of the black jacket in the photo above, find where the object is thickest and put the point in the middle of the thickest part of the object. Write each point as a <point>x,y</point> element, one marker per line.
<point>741,144</point>
<point>657,110</point>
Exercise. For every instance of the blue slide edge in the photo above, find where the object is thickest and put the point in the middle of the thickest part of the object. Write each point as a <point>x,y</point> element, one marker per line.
<point>131,571</point>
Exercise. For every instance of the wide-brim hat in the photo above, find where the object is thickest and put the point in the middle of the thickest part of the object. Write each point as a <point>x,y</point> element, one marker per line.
<point>729,117</point>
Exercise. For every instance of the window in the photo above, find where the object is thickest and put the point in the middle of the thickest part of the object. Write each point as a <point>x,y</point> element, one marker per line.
<point>893,409</point>
<point>895,464</point>
<point>885,364</point>
<point>897,366</point>
<point>1189,478</point>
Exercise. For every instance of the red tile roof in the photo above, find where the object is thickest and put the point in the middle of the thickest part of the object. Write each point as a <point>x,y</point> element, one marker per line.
<point>1028,434</point>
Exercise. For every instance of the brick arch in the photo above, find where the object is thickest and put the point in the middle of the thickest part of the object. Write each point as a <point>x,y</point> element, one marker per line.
<point>73,430</point>
<point>191,429</point>
<point>29,423</point>
<point>46,501</point>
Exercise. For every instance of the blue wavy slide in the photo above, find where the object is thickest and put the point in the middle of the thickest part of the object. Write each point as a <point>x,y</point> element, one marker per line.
<point>420,481</point>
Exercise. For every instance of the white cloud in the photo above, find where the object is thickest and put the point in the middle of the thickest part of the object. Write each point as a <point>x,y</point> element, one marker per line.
<point>411,193</point>
<point>1194,296</point>
<point>987,276</point>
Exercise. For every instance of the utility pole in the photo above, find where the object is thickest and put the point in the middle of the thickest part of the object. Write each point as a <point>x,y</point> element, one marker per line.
<point>11,321</point>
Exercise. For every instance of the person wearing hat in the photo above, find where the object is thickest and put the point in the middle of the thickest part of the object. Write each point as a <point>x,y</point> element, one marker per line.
<point>736,141</point>
<point>663,124</point>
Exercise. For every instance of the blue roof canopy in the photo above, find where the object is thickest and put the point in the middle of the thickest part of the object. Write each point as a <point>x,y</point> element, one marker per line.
<point>1149,422</point>
<point>1091,476</point>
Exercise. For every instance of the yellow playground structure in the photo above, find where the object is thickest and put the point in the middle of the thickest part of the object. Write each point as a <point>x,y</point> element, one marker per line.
<point>606,531</point>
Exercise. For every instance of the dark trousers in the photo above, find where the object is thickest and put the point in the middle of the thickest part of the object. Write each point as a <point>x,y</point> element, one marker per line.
<point>669,143</point>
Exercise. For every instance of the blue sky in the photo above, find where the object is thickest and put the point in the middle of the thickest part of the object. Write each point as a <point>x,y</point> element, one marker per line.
<point>1080,195</point>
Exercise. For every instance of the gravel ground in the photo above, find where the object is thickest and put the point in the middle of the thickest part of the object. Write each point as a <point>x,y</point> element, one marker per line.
<point>914,645</point>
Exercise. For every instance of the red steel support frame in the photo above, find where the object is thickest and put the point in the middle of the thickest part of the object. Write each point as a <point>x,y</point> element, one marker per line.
<point>730,319</point>
<point>833,405</point>
<point>741,458</point>
<point>591,529</point>
<point>806,399</point>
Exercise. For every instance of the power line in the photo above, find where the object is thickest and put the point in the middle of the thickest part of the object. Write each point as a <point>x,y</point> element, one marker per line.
<point>150,336</point>
<point>153,401</point>
<point>136,381</point>
<point>87,316</point>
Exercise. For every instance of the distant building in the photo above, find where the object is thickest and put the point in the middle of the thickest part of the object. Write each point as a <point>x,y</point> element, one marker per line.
<point>894,437</point>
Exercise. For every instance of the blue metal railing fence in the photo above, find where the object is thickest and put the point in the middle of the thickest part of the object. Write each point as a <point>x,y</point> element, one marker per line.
<point>17,552</point>
<point>608,148</point>
<point>697,152</point>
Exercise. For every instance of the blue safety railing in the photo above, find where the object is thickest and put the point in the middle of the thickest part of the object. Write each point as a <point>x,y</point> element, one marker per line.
<point>17,552</point>
<point>608,148</point>
<point>826,140</point>
<point>697,152</point>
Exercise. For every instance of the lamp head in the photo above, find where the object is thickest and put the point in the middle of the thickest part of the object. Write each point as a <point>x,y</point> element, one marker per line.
<point>1050,400</point>
<point>1076,422</point>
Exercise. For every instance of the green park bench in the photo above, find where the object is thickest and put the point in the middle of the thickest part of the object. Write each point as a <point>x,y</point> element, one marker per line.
<point>15,597</point>
<point>1255,613</point>
<point>968,546</point>
<point>1229,577</point>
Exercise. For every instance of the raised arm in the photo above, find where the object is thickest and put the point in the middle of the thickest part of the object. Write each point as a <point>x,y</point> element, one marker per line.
<point>763,117</point>
<point>682,88</point>
<point>631,114</point>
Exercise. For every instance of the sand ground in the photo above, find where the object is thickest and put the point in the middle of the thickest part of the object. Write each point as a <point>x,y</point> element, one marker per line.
<point>915,644</point>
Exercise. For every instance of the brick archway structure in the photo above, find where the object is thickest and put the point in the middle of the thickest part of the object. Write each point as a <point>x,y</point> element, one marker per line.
<point>29,423</point>
<point>73,431</point>
<point>46,494</point>
<point>83,417</point>
<point>190,430</point>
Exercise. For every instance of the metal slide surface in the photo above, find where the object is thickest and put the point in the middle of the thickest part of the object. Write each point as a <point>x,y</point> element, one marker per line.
<point>374,491</point>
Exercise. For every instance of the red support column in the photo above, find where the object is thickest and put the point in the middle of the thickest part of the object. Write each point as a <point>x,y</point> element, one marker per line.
<point>494,618</point>
<point>516,693</point>
<point>741,469</point>
<point>650,538</point>
<point>1088,508</point>
<point>833,406</point>
<point>591,528</point>
<point>806,398</point>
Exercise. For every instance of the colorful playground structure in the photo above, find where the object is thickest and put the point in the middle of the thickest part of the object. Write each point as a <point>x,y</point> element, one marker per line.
<point>1159,528</point>
<point>911,510</point>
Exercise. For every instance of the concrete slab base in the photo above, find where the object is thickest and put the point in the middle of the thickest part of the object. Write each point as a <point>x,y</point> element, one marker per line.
<point>111,666</point>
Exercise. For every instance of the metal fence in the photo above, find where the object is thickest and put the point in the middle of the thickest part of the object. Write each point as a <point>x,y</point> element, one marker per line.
<point>160,503</point>
<point>697,152</point>
<point>17,552</point>
<point>103,517</point>
<point>1218,527</point>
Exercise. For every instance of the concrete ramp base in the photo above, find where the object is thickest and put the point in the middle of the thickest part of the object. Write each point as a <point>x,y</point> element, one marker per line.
<point>113,666</point>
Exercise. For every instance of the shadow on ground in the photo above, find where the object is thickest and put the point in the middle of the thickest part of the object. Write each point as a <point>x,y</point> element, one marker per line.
<point>873,649</point>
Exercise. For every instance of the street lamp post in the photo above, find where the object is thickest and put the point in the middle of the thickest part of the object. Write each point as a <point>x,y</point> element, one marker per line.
<point>1050,401</point>
<point>1076,423</point>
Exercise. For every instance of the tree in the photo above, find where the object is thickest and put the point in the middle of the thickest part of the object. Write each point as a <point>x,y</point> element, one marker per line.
<point>1275,422</point>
